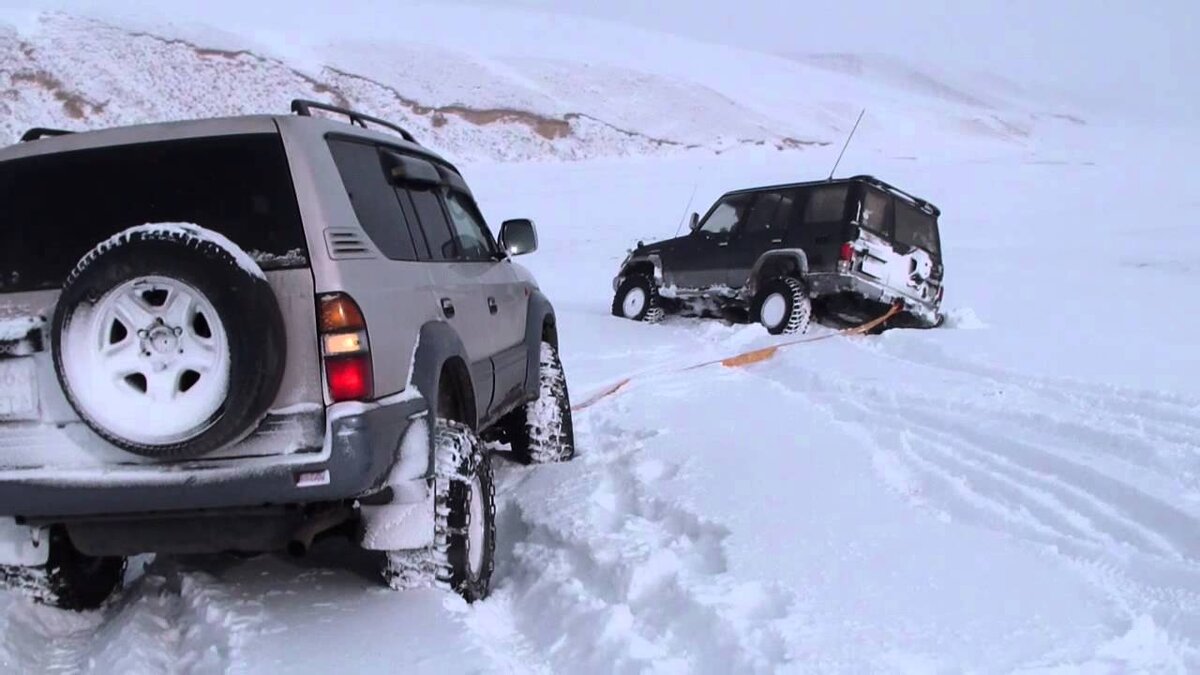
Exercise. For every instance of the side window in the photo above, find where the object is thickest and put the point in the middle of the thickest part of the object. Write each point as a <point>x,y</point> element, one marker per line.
<point>729,212</point>
<point>826,204</point>
<point>762,216</point>
<point>373,198</point>
<point>872,213</point>
<point>786,211</point>
<point>428,207</point>
<point>474,240</point>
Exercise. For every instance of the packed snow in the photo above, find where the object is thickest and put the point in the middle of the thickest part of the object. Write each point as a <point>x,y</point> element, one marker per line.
<point>1018,490</point>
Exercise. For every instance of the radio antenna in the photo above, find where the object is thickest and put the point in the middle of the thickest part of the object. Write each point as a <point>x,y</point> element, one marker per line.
<point>687,208</point>
<point>847,144</point>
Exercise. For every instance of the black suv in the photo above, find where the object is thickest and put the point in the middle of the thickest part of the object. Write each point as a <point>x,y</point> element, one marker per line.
<point>844,250</point>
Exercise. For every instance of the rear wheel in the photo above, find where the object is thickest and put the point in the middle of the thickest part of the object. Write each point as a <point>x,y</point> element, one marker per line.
<point>462,556</point>
<point>637,299</point>
<point>783,307</point>
<point>69,579</point>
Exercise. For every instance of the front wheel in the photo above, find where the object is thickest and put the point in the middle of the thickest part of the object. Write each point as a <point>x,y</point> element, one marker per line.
<point>783,307</point>
<point>637,299</point>
<point>542,431</point>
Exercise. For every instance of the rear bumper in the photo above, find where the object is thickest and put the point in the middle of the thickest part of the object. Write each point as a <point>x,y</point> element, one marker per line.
<point>829,284</point>
<point>361,445</point>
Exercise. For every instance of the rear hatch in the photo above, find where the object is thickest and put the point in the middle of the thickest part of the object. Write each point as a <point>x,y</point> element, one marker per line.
<point>898,245</point>
<point>54,208</point>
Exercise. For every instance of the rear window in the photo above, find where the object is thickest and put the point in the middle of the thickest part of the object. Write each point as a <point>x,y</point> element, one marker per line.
<point>55,208</point>
<point>916,228</point>
<point>873,211</point>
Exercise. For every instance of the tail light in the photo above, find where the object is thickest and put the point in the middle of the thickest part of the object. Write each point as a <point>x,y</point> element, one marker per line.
<point>846,257</point>
<point>345,349</point>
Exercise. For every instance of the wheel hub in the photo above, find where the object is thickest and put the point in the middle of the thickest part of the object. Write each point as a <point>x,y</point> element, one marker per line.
<point>161,339</point>
<point>151,341</point>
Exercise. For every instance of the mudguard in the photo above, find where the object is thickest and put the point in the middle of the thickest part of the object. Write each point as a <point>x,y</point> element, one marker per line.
<point>539,314</point>
<point>651,259</point>
<point>774,263</point>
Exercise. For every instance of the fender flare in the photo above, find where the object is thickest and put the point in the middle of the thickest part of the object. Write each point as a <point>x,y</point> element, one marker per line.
<point>540,312</point>
<point>437,344</point>
<point>652,258</point>
<point>787,256</point>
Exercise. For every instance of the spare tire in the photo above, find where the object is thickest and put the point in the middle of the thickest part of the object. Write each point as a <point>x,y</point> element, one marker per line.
<point>168,341</point>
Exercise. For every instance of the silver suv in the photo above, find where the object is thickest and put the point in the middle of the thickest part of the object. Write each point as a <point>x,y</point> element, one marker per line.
<point>244,334</point>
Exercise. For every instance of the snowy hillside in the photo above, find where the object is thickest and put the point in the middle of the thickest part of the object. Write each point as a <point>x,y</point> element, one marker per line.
<point>560,101</point>
<point>1018,491</point>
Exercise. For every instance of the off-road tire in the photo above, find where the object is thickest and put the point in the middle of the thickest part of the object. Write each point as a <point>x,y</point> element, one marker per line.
<point>69,580</point>
<point>244,302</point>
<point>797,312</point>
<point>459,459</point>
<point>542,431</point>
<point>651,311</point>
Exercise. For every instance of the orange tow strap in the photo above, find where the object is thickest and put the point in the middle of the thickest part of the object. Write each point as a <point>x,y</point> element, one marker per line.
<point>745,358</point>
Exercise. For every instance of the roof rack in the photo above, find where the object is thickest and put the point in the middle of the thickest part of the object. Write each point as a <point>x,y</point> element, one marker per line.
<point>41,132</point>
<point>305,107</point>
<point>921,203</point>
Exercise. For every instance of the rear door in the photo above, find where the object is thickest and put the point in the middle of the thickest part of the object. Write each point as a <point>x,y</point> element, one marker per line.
<point>818,224</point>
<point>901,244</point>
<point>455,282</point>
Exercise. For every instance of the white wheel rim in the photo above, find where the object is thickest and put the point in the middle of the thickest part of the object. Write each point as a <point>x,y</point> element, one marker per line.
<point>773,311</point>
<point>149,362</point>
<point>634,302</point>
<point>475,527</point>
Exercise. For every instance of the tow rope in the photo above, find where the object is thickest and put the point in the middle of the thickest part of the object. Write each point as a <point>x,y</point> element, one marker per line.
<point>741,360</point>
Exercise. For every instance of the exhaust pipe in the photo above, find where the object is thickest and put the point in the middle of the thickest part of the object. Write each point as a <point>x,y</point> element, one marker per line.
<point>302,538</point>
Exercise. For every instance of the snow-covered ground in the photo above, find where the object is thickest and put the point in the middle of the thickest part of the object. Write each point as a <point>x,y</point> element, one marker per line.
<point>1018,491</point>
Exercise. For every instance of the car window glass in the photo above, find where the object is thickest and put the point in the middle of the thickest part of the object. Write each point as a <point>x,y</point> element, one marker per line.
<point>474,240</point>
<point>729,212</point>
<point>783,214</point>
<point>873,211</point>
<point>826,204</point>
<point>373,198</point>
<point>916,228</point>
<point>437,230</point>
<point>762,216</point>
<point>56,207</point>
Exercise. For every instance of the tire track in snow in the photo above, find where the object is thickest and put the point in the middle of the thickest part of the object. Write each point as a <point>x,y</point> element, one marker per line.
<point>621,580</point>
<point>1041,484</point>
<point>166,621</point>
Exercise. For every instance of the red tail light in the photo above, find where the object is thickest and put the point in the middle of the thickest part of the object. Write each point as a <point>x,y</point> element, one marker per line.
<point>847,254</point>
<point>345,349</point>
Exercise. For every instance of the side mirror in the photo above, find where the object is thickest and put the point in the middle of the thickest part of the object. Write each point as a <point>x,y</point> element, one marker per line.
<point>518,237</point>
<point>695,222</point>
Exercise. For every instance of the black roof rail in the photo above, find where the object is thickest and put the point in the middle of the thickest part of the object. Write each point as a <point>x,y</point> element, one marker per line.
<point>41,132</point>
<point>305,107</point>
<point>921,203</point>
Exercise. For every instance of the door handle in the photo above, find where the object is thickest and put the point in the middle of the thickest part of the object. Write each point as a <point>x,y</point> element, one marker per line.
<point>448,308</point>
<point>777,241</point>
<point>722,243</point>
<point>492,307</point>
